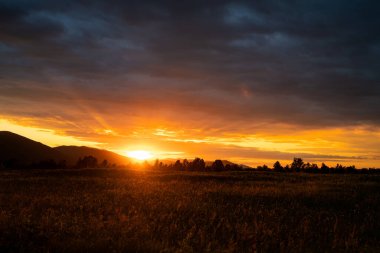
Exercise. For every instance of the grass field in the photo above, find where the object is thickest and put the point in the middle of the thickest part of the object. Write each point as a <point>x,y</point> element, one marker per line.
<point>144,211</point>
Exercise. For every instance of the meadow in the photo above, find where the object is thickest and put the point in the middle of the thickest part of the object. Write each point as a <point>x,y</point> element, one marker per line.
<point>114,210</point>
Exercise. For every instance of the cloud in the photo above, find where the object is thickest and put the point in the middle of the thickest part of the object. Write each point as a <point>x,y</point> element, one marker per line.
<point>202,63</point>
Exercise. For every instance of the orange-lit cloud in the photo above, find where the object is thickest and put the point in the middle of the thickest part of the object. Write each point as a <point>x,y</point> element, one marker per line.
<point>330,145</point>
<point>244,81</point>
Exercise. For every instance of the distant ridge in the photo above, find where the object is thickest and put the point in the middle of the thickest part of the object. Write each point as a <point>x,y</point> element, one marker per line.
<point>72,154</point>
<point>21,151</point>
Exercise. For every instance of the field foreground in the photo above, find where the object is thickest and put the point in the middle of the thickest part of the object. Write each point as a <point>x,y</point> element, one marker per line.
<point>143,211</point>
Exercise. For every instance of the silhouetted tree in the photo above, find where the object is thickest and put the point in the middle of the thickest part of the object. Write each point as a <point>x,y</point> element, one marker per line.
<point>185,164</point>
<point>87,162</point>
<point>263,168</point>
<point>324,168</point>
<point>236,167</point>
<point>217,165</point>
<point>104,164</point>
<point>178,165</point>
<point>80,163</point>
<point>351,169</point>
<point>278,167</point>
<point>339,168</point>
<point>197,164</point>
<point>45,164</point>
<point>314,168</point>
<point>297,164</point>
<point>91,162</point>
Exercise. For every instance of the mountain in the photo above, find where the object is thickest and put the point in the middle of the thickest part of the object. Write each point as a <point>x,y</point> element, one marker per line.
<point>23,151</point>
<point>18,151</point>
<point>73,153</point>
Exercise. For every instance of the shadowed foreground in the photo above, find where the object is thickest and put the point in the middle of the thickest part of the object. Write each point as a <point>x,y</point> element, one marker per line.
<point>118,210</point>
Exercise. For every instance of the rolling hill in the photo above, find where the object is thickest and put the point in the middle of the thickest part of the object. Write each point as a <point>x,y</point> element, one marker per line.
<point>72,153</point>
<point>21,151</point>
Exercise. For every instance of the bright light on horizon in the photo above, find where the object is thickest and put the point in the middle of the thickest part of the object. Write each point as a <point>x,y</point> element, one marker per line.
<point>139,154</point>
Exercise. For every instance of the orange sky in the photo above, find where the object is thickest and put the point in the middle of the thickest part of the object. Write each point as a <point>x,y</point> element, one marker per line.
<point>249,81</point>
<point>359,146</point>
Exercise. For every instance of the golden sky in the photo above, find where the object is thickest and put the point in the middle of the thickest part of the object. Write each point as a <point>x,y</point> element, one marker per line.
<point>336,145</point>
<point>249,81</point>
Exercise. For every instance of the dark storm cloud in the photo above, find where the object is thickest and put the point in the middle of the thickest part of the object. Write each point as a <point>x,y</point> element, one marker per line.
<point>298,62</point>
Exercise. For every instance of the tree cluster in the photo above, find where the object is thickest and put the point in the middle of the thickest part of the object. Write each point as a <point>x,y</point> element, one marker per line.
<point>298,165</point>
<point>198,164</point>
<point>92,162</point>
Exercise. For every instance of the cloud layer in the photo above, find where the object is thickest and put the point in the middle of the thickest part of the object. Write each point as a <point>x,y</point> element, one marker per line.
<point>234,66</point>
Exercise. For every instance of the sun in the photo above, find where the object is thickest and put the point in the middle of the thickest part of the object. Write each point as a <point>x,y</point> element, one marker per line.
<point>140,154</point>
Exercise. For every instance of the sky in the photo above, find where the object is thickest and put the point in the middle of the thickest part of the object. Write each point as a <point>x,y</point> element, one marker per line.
<point>249,81</point>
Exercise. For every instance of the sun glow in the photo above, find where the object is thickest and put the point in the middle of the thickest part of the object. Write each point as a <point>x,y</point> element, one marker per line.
<point>140,155</point>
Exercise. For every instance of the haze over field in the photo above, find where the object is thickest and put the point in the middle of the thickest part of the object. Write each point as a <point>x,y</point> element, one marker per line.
<point>248,81</point>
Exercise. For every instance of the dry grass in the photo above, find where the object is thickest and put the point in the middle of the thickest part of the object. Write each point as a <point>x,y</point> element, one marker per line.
<point>135,211</point>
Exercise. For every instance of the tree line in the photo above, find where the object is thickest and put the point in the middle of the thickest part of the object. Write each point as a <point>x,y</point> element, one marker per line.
<point>298,165</point>
<point>197,164</point>
<point>82,163</point>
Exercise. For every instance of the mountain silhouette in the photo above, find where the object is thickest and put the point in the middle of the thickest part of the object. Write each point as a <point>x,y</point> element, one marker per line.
<point>21,151</point>
<point>73,153</point>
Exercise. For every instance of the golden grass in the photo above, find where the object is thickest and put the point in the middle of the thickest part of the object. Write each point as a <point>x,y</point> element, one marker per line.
<point>145,211</point>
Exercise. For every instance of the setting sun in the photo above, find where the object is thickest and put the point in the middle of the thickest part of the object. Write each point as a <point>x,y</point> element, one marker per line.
<point>139,154</point>
<point>189,126</point>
